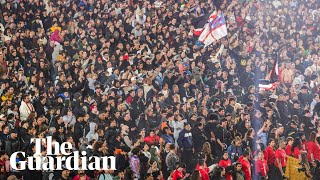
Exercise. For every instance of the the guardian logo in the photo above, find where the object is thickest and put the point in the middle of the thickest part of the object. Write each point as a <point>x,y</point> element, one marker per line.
<point>61,158</point>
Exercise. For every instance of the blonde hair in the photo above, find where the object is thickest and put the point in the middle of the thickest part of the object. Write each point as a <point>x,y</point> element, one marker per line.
<point>206,148</point>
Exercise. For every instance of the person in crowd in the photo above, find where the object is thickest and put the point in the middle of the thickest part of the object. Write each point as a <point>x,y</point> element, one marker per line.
<point>315,169</point>
<point>219,173</point>
<point>225,162</point>
<point>195,175</point>
<point>313,147</point>
<point>245,163</point>
<point>281,161</point>
<point>235,149</point>
<point>206,150</point>
<point>261,167</point>
<point>237,172</point>
<point>199,137</point>
<point>134,78</point>
<point>289,146</point>
<point>269,156</point>
<point>297,148</point>
<point>135,162</point>
<point>179,172</point>
<point>204,170</point>
<point>167,136</point>
<point>172,158</point>
<point>152,139</point>
<point>185,142</point>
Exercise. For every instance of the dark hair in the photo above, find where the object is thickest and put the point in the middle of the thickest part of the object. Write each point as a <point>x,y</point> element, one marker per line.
<point>201,162</point>
<point>25,96</point>
<point>231,99</point>
<point>164,129</point>
<point>269,141</point>
<point>2,153</point>
<point>297,143</point>
<point>195,175</point>
<point>318,140</point>
<point>172,146</point>
<point>181,165</point>
<point>217,172</point>
<point>224,152</point>
<point>4,126</point>
<point>289,139</point>
<point>237,163</point>
<point>135,151</point>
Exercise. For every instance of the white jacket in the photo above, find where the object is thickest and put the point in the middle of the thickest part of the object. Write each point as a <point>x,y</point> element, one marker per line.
<point>25,110</point>
<point>92,133</point>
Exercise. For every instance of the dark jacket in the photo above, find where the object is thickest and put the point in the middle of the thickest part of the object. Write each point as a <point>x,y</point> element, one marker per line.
<point>110,134</point>
<point>12,145</point>
<point>298,112</point>
<point>309,127</point>
<point>304,99</point>
<point>199,138</point>
<point>185,140</point>
<point>284,112</point>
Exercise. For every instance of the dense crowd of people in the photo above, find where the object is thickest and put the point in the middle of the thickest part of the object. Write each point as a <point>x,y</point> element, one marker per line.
<point>130,79</point>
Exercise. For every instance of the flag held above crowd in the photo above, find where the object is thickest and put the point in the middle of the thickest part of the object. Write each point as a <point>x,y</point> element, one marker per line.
<point>213,30</point>
<point>199,23</point>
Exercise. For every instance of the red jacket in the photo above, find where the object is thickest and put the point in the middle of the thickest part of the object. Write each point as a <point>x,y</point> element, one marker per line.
<point>261,167</point>
<point>204,172</point>
<point>152,140</point>
<point>225,163</point>
<point>246,168</point>
<point>177,175</point>
<point>269,155</point>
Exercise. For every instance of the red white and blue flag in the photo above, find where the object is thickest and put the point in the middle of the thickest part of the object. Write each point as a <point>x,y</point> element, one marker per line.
<point>214,30</point>
<point>198,23</point>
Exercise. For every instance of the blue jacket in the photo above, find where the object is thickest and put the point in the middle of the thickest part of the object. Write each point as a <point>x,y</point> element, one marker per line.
<point>234,151</point>
<point>168,138</point>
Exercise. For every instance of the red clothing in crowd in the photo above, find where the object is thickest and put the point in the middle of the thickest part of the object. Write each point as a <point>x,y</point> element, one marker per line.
<point>177,175</point>
<point>225,163</point>
<point>315,149</point>
<point>288,150</point>
<point>246,167</point>
<point>261,167</point>
<point>296,152</point>
<point>129,99</point>
<point>77,177</point>
<point>204,171</point>
<point>152,140</point>
<point>2,163</point>
<point>282,156</point>
<point>305,145</point>
<point>55,36</point>
<point>269,155</point>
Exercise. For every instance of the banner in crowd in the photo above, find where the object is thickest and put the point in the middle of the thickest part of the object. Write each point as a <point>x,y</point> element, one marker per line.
<point>214,30</point>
